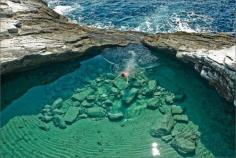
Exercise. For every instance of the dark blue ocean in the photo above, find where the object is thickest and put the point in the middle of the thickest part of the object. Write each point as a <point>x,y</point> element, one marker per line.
<point>151,15</point>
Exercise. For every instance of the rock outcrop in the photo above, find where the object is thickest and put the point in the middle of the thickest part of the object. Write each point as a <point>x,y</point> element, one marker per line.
<point>212,55</point>
<point>32,34</point>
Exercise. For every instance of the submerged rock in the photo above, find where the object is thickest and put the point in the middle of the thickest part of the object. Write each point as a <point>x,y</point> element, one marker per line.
<point>59,122</point>
<point>96,112</point>
<point>176,110</point>
<point>167,138</point>
<point>153,103</point>
<point>163,127</point>
<point>152,85</point>
<point>86,104</point>
<point>181,118</point>
<point>57,103</point>
<point>170,99</point>
<point>129,95</point>
<point>72,114</point>
<point>184,146</point>
<point>83,94</point>
<point>43,126</point>
<point>115,116</point>
<point>58,112</point>
<point>164,109</point>
<point>120,84</point>
<point>45,118</point>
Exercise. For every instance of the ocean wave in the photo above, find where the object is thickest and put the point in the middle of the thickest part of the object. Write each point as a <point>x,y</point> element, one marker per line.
<point>154,16</point>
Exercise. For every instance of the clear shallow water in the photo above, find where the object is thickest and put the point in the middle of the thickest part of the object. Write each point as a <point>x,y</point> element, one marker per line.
<point>204,108</point>
<point>152,15</point>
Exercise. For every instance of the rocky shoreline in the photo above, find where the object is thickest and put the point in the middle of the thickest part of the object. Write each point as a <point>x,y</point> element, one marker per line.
<point>32,34</point>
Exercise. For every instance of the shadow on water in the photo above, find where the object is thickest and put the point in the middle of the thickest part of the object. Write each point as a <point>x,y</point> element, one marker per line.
<point>15,85</point>
<point>27,92</point>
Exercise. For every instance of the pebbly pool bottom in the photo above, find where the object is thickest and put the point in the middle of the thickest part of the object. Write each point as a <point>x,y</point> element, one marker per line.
<point>87,109</point>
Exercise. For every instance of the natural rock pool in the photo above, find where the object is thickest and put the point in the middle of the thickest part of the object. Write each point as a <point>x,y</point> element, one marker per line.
<point>158,107</point>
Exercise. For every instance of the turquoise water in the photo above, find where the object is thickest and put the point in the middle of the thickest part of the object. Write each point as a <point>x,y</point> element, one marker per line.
<point>25,94</point>
<point>153,15</point>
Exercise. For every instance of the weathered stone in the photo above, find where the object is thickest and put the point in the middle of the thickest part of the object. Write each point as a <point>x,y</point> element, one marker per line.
<point>83,116</point>
<point>184,146</point>
<point>108,103</point>
<point>97,112</point>
<point>164,109</point>
<point>152,85</point>
<point>76,103</point>
<point>167,138</point>
<point>58,112</point>
<point>176,109</point>
<point>59,122</point>
<point>120,84</point>
<point>43,126</point>
<point>91,98</point>
<point>114,90</point>
<point>181,118</point>
<point>129,95</point>
<point>45,118</point>
<point>51,41</point>
<point>163,127</point>
<point>170,99</point>
<point>71,114</point>
<point>153,103</point>
<point>115,116</point>
<point>57,103</point>
<point>82,95</point>
<point>86,104</point>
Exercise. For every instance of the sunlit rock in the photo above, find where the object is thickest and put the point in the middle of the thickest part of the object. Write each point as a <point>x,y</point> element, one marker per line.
<point>163,127</point>
<point>129,95</point>
<point>115,116</point>
<point>96,112</point>
<point>181,118</point>
<point>176,109</point>
<point>71,114</point>
<point>83,95</point>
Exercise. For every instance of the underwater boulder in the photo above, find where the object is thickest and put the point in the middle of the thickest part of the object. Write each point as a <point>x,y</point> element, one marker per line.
<point>91,98</point>
<point>181,118</point>
<point>176,110</point>
<point>83,94</point>
<point>72,114</point>
<point>183,146</point>
<point>163,127</point>
<point>43,126</point>
<point>129,95</point>
<point>167,138</point>
<point>96,112</point>
<point>107,103</point>
<point>153,103</point>
<point>164,109</point>
<point>170,99</point>
<point>152,84</point>
<point>57,103</point>
<point>59,122</point>
<point>86,104</point>
<point>115,116</point>
<point>120,84</point>
<point>45,118</point>
<point>58,112</point>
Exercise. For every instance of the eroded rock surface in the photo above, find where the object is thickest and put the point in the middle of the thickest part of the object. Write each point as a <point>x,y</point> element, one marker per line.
<point>32,34</point>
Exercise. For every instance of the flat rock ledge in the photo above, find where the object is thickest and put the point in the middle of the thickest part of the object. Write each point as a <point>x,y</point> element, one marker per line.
<point>31,34</point>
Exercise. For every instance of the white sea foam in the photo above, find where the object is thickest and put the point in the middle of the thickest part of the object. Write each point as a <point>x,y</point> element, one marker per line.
<point>63,9</point>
